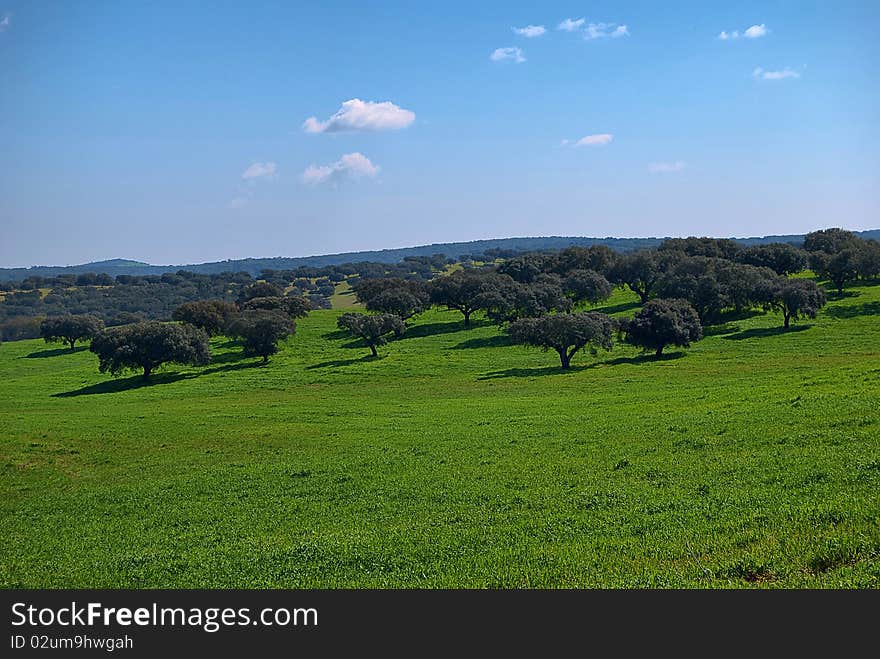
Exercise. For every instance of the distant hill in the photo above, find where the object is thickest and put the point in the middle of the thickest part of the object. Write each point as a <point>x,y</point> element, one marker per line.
<point>253,266</point>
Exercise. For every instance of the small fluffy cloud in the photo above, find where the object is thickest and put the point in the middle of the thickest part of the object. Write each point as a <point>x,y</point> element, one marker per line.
<point>666,167</point>
<point>358,115</point>
<point>762,74</point>
<point>530,31</point>
<point>259,170</point>
<point>570,24</point>
<point>504,54</point>
<point>4,22</point>
<point>753,32</point>
<point>595,140</point>
<point>351,165</point>
<point>605,31</point>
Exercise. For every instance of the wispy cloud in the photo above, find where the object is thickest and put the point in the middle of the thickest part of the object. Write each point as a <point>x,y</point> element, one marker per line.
<point>666,167</point>
<point>753,32</point>
<point>259,170</point>
<point>530,31</point>
<point>5,22</point>
<point>505,54</point>
<point>366,116</point>
<point>605,31</point>
<point>351,165</point>
<point>600,139</point>
<point>571,24</point>
<point>762,74</point>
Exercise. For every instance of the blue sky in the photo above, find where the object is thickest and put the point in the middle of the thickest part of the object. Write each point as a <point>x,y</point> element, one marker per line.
<point>174,132</point>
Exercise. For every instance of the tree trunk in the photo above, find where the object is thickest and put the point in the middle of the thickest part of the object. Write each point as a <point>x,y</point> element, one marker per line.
<point>72,343</point>
<point>373,350</point>
<point>265,359</point>
<point>659,352</point>
<point>643,297</point>
<point>564,358</point>
<point>467,317</point>
<point>786,316</point>
<point>147,371</point>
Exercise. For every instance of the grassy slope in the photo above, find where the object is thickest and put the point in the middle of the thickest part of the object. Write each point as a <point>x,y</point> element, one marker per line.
<point>454,460</point>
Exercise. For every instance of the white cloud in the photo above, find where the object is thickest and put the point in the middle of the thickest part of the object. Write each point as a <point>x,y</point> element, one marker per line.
<point>595,140</point>
<point>756,31</point>
<point>259,170</point>
<point>753,32</point>
<point>351,165</point>
<point>4,22</point>
<point>358,115</point>
<point>605,31</point>
<point>666,167</point>
<point>570,25</point>
<point>530,31</point>
<point>564,142</point>
<point>762,74</point>
<point>503,54</point>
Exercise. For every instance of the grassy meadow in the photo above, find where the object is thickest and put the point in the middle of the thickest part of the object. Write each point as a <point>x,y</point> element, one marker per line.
<point>751,459</point>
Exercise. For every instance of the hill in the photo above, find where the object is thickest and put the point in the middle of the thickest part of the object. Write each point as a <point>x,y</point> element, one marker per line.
<point>254,266</point>
<point>454,460</point>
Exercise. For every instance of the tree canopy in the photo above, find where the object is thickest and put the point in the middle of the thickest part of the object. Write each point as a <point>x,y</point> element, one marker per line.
<point>147,346</point>
<point>212,316</point>
<point>566,333</point>
<point>661,323</point>
<point>372,328</point>
<point>260,330</point>
<point>70,329</point>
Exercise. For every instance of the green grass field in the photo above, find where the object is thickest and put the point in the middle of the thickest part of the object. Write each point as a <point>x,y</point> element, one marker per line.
<point>455,460</point>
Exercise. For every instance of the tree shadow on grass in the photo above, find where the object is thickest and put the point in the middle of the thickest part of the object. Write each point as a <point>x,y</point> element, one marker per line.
<point>575,368</point>
<point>532,372</point>
<point>433,329</point>
<point>616,308</point>
<point>335,363</point>
<point>498,341</point>
<point>645,358</point>
<point>54,352</point>
<point>720,330</point>
<point>764,332</point>
<point>866,309</point>
<point>117,385</point>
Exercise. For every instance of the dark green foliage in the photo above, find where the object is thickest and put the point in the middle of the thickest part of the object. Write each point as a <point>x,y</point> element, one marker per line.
<point>829,241</point>
<point>212,316</point>
<point>564,333</point>
<point>721,248</point>
<point>397,301</point>
<point>640,271</point>
<point>506,300</point>
<point>21,327</point>
<point>661,323</point>
<point>260,330</point>
<point>598,258</point>
<point>838,268</point>
<point>290,305</point>
<point>372,328</point>
<point>148,346</point>
<point>461,291</point>
<point>70,329</point>
<point>526,268</point>
<point>794,298</point>
<point>713,284</point>
<point>782,258</point>
<point>401,297</point>
<point>259,289</point>
<point>586,286</point>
